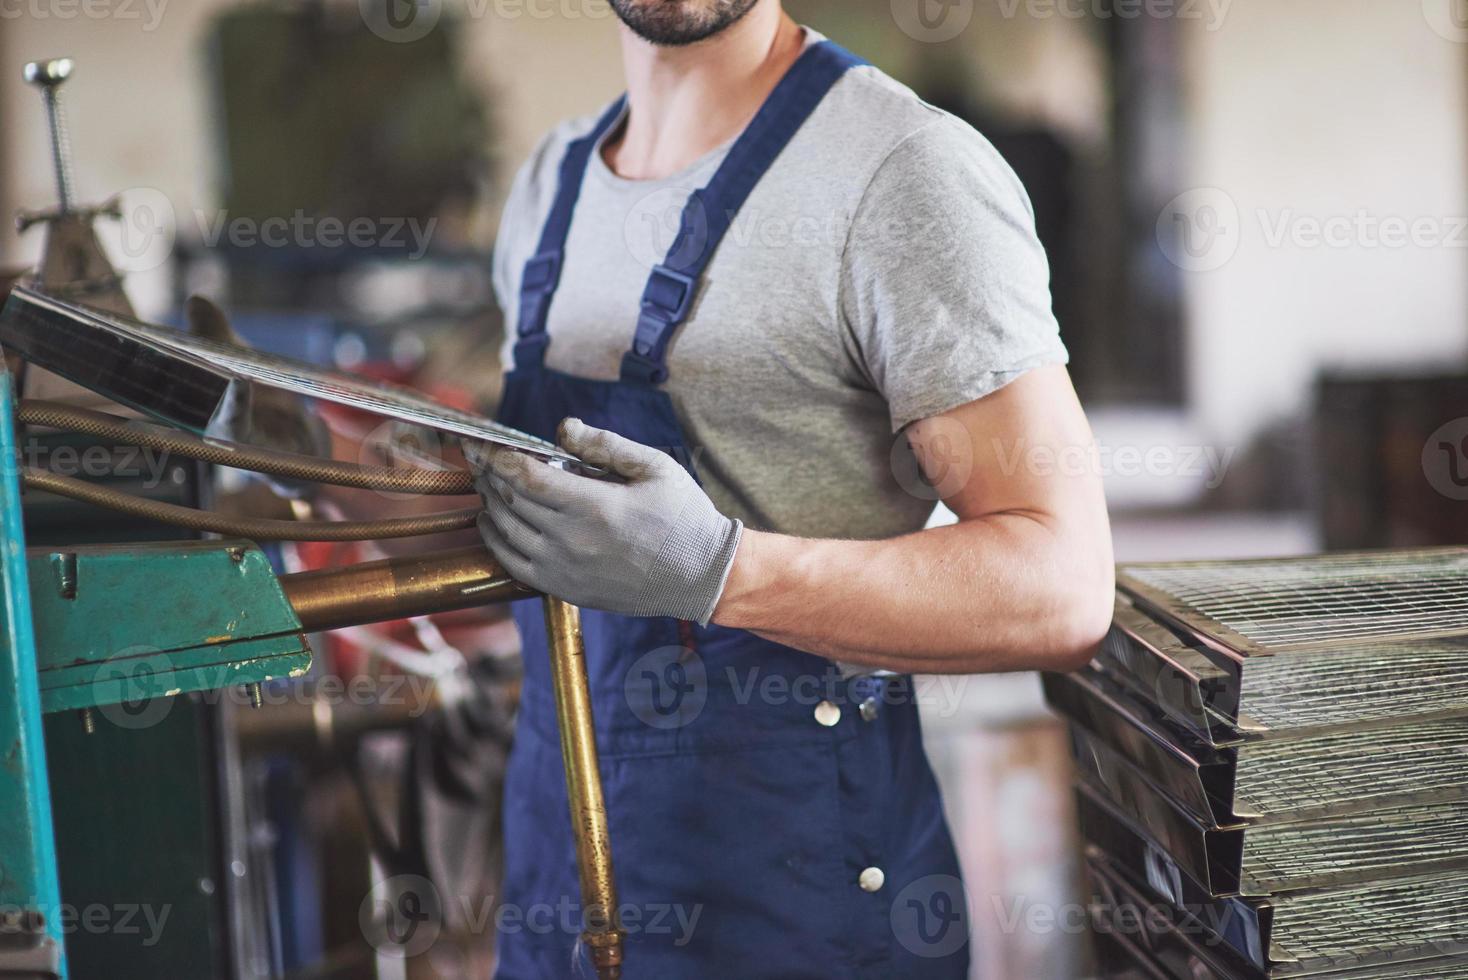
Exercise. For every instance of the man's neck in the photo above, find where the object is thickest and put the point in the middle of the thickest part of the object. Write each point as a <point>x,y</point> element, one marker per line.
<point>685,101</point>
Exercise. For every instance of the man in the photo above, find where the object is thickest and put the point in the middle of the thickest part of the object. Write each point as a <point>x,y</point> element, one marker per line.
<point>851,321</point>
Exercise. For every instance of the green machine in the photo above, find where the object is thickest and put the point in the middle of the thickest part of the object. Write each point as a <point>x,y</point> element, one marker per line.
<point>127,642</point>
<point>106,639</point>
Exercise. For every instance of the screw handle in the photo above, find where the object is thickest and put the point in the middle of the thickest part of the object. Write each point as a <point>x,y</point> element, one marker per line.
<point>48,76</point>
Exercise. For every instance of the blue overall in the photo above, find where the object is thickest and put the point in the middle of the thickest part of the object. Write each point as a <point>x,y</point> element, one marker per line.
<point>747,786</point>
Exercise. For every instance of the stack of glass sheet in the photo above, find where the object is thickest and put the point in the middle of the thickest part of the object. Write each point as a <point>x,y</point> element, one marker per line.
<point>1272,768</point>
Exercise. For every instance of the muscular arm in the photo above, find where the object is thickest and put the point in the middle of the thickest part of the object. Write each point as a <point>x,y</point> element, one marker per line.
<point>1022,581</point>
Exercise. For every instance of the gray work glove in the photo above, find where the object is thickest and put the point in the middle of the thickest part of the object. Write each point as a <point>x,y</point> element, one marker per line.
<point>645,542</point>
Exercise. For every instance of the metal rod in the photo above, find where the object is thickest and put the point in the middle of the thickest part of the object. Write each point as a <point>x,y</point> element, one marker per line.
<point>255,528</point>
<point>60,147</point>
<point>602,932</point>
<point>48,77</point>
<point>396,588</point>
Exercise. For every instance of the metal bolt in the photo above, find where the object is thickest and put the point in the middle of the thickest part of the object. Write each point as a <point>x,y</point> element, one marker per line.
<point>48,76</point>
<point>257,697</point>
<point>89,723</point>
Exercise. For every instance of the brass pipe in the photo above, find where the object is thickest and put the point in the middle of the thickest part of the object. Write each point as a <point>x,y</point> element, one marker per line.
<point>602,932</point>
<point>460,579</point>
<point>396,588</point>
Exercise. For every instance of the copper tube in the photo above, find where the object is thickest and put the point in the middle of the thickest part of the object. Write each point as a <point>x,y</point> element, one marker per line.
<point>132,432</point>
<point>603,933</point>
<point>255,528</point>
<point>311,726</point>
<point>395,588</point>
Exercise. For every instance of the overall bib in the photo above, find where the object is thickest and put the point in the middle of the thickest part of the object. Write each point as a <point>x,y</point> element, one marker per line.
<point>750,788</point>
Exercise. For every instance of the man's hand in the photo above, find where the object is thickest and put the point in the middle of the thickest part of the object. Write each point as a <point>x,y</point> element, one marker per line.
<point>648,542</point>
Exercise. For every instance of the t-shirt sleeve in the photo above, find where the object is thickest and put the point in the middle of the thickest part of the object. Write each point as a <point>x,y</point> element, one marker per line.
<point>945,287</point>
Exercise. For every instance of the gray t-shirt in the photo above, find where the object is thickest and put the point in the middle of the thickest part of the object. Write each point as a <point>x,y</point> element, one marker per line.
<point>884,270</point>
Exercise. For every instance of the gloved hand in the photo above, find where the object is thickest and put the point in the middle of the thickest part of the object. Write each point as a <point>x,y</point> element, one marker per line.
<point>648,542</point>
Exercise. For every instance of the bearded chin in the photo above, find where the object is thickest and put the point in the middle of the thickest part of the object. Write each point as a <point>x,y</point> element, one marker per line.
<point>674,23</point>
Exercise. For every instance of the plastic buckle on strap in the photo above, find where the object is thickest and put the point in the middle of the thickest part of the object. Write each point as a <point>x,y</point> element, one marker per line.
<point>665,303</point>
<point>640,367</point>
<point>530,349</point>
<point>537,286</point>
<point>542,272</point>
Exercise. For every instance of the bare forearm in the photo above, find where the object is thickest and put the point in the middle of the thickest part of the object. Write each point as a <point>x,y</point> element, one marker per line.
<point>1003,592</point>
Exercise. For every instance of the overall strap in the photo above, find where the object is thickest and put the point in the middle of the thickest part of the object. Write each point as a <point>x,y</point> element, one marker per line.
<point>709,212</point>
<point>543,271</point>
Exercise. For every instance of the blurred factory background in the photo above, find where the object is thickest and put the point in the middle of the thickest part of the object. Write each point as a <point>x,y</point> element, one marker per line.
<point>1256,213</point>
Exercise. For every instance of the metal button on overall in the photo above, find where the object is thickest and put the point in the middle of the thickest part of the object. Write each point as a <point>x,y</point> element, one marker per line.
<point>871,879</point>
<point>828,714</point>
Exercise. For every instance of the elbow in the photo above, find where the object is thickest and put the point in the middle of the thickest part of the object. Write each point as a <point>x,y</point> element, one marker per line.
<point>1082,616</point>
